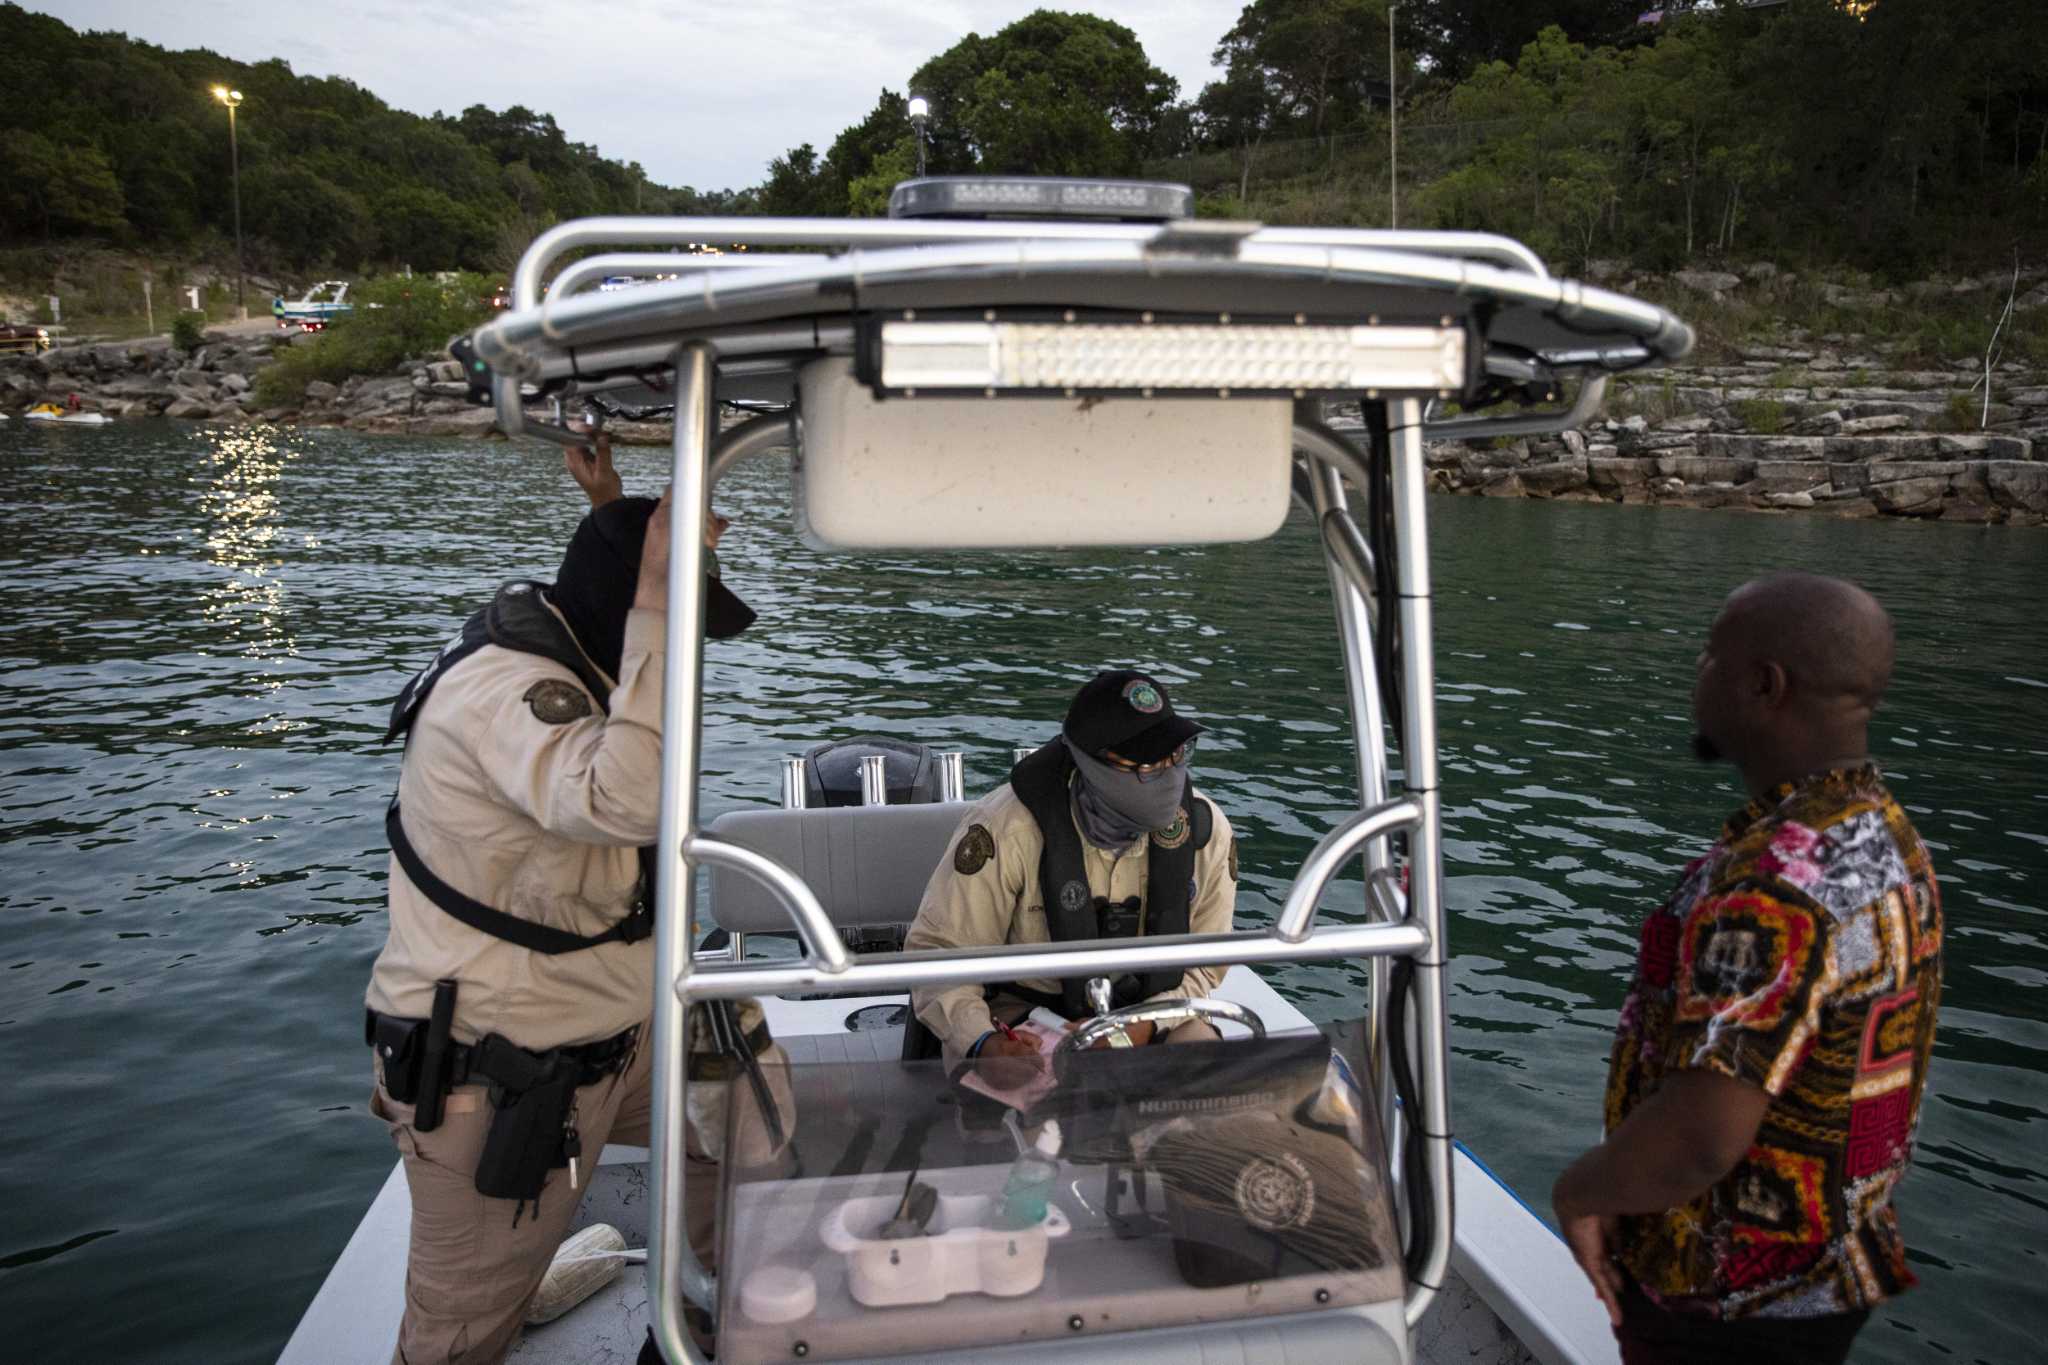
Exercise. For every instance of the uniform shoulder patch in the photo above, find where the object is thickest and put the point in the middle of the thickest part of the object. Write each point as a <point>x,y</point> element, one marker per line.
<point>1175,834</point>
<point>974,850</point>
<point>556,702</point>
<point>1233,858</point>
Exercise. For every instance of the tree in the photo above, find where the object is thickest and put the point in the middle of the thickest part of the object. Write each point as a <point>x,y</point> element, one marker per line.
<point>1237,112</point>
<point>800,184</point>
<point>1315,56</point>
<point>1050,94</point>
<point>1457,37</point>
<point>51,187</point>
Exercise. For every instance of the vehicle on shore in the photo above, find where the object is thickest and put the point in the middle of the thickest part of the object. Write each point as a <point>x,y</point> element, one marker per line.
<point>1014,364</point>
<point>17,338</point>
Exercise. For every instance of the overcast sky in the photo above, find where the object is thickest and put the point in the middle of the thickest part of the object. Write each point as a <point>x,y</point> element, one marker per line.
<point>699,94</point>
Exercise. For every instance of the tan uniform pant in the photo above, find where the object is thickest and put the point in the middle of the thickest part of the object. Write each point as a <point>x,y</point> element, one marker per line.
<point>470,1272</point>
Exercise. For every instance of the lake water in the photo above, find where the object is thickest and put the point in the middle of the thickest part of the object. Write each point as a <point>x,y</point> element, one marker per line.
<point>204,628</point>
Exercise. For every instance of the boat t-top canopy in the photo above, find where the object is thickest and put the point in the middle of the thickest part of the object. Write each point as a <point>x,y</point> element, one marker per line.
<point>970,383</point>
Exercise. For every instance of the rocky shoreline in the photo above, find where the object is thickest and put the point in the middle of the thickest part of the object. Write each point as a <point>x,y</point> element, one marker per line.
<point>1829,425</point>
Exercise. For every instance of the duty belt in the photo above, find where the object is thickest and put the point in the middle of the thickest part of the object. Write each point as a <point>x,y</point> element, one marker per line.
<point>594,1061</point>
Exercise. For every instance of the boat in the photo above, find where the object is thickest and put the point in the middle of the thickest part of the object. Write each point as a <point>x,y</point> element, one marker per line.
<point>51,412</point>
<point>992,355</point>
<point>313,310</point>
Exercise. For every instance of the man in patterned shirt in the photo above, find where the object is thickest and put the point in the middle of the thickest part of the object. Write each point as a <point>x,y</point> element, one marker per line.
<point>1769,1062</point>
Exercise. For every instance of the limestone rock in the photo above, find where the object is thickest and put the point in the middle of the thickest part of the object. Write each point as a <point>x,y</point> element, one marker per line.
<point>1797,500</point>
<point>1707,281</point>
<point>1558,476</point>
<point>188,407</point>
<point>2020,484</point>
<point>320,391</point>
<point>1611,474</point>
<point>1908,497</point>
<point>1870,426</point>
<point>1705,469</point>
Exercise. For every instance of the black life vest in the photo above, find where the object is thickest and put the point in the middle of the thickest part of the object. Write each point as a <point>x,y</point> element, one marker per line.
<point>516,619</point>
<point>1043,780</point>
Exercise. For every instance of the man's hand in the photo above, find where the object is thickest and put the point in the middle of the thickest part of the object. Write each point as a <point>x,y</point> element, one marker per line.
<point>1591,1238</point>
<point>653,588</point>
<point>715,527</point>
<point>1139,1034</point>
<point>591,467</point>
<point>1007,1063</point>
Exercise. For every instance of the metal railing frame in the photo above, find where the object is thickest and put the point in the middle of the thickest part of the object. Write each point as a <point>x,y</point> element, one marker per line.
<point>673,1270</point>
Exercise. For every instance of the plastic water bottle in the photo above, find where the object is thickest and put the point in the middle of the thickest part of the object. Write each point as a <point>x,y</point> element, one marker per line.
<point>1028,1191</point>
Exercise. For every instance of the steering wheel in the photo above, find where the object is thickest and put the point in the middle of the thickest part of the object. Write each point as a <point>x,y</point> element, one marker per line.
<point>1171,1012</point>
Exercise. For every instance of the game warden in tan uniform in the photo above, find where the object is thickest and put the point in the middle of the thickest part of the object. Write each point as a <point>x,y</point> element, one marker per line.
<point>1134,849</point>
<point>530,785</point>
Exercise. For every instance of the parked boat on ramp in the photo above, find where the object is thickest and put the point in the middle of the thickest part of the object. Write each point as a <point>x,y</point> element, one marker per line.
<point>1012,364</point>
<point>315,309</point>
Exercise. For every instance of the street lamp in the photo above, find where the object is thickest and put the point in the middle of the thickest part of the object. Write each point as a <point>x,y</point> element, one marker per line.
<point>919,111</point>
<point>233,100</point>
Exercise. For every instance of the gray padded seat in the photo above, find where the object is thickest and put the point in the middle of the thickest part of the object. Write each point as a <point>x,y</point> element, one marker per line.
<point>867,864</point>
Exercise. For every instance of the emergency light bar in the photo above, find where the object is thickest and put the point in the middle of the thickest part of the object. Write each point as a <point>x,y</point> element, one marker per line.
<point>912,357</point>
<point>1035,196</point>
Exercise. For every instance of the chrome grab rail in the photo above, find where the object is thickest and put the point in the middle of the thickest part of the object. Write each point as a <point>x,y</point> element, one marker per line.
<point>619,230</point>
<point>1335,849</point>
<point>592,269</point>
<point>755,436</point>
<point>823,946</point>
<point>1157,1012</point>
<point>876,973</point>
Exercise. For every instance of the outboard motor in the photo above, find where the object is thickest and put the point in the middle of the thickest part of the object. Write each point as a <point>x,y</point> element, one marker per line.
<point>832,772</point>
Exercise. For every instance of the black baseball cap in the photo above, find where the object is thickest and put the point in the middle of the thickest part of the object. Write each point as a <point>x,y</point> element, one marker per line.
<point>1128,712</point>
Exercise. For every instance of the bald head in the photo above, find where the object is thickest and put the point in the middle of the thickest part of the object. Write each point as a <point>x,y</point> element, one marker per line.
<point>1833,639</point>
<point>1794,666</point>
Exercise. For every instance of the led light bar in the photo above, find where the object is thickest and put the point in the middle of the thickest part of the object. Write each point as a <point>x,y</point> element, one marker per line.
<point>927,357</point>
<point>1033,196</point>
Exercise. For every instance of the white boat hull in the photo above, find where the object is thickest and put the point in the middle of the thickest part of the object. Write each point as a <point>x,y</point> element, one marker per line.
<point>1514,1296</point>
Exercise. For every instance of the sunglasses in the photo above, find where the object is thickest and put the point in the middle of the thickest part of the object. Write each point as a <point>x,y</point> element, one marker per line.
<point>1145,772</point>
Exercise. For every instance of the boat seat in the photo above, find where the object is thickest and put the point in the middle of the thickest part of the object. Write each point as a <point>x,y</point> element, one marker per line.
<point>868,865</point>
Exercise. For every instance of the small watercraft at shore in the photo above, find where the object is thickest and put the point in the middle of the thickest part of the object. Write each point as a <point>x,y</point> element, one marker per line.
<point>51,412</point>
<point>313,310</point>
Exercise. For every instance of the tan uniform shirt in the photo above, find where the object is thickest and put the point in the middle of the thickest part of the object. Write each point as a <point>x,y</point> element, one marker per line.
<point>1000,902</point>
<point>540,816</point>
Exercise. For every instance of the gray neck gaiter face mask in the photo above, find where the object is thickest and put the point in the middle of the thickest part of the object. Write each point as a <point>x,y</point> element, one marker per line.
<point>1115,807</point>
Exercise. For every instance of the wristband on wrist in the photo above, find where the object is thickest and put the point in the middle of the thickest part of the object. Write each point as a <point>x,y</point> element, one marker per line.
<point>975,1051</point>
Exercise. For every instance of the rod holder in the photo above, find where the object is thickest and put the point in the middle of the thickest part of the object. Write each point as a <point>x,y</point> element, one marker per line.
<point>952,776</point>
<point>794,794</point>
<point>874,780</point>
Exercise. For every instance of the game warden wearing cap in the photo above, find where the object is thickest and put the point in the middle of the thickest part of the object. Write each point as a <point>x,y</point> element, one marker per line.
<point>507,1010</point>
<point>1099,834</point>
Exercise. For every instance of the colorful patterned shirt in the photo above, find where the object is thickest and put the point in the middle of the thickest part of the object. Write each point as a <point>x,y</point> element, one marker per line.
<point>1802,954</point>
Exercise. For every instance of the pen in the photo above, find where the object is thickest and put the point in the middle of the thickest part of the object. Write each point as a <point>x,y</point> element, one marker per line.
<point>1008,1032</point>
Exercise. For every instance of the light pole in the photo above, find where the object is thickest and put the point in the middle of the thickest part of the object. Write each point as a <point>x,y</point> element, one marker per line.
<point>919,111</point>
<point>233,100</point>
<point>1393,141</point>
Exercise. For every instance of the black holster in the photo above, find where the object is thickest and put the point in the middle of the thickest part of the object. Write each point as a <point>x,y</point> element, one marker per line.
<point>531,1096</point>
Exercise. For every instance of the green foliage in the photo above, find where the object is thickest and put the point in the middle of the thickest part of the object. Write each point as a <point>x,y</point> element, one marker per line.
<point>107,137</point>
<point>1764,416</point>
<point>1052,94</point>
<point>395,319</point>
<point>188,330</point>
<point>1963,412</point>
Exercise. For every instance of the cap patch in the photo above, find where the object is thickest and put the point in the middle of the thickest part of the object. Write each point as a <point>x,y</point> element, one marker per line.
<point>1276,1193</point>
<point>1143,697</point>
<point>555,702</point>
<point>973,851</point>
